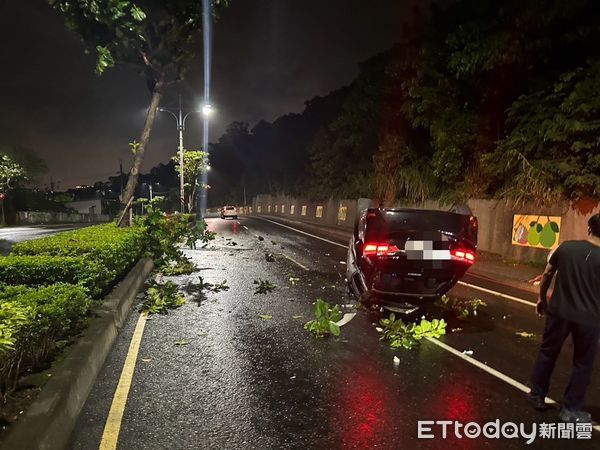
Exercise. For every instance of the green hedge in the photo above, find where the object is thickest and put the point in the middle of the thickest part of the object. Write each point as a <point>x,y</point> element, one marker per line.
<point>73,266</point>
<point>45,270</point>
<point>32,320</point>
<point>114,248</point>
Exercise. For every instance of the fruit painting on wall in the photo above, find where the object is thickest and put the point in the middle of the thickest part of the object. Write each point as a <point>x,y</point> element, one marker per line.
<point>536,231</point>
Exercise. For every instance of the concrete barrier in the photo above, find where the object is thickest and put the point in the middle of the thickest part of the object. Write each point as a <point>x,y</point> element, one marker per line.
<point>45,217</point>
<point>495,218</point>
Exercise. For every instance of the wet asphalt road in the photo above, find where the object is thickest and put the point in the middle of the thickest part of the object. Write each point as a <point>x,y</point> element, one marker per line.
<point>243,382</point>
<point>11,235</point>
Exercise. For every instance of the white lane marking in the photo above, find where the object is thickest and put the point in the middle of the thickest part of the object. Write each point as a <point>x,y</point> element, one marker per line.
<point>245,227</point>
<point>514,383</point>
<point>295,262</point>
<point>303,232</point>
<point>499,294</point>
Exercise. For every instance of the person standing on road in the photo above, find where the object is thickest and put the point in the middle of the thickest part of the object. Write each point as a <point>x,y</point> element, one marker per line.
<point>573,309</point>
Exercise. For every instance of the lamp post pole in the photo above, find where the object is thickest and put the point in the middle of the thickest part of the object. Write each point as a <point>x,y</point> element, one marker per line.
<point>180,120</point>
<point>181,178</point>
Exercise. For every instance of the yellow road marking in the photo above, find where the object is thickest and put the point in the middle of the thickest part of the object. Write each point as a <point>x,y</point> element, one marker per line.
<point>112,427</point>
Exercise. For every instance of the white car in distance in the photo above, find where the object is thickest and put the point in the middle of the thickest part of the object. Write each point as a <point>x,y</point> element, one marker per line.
<point>229,211</point>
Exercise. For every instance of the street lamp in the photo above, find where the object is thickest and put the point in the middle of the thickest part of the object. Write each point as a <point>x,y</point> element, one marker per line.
<point>207,110</point>
<point>180,121</point>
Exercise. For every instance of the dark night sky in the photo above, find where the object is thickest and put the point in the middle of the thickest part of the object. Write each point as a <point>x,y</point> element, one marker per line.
<point>269,56</point>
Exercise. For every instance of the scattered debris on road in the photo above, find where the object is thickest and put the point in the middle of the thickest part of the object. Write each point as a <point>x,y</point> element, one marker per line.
<point>468,352</point>
<point>409,336</point>
<point>294,281</point>
<point>264,286</point>
<point>269,257</point>
<point>181,342</point>
<point>347,318</point>
<point>265,316</point>
<point>462,308</point>
<point>525,334</point>
<point>325,320</point>
<point>161,297</point>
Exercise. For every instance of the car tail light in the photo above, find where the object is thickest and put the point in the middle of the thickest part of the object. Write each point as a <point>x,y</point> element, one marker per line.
<point>463,255</point>
<point>380,249</point>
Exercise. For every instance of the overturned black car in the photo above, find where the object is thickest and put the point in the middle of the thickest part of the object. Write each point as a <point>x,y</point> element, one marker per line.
<point>403,257</point>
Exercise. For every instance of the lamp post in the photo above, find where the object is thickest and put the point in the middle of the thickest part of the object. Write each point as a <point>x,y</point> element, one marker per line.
<point>180,121</point>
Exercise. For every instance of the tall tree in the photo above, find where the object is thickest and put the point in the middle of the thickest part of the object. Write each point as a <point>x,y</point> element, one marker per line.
<point>154,37</point>
<point>28,159</point>
<point>194,162</point>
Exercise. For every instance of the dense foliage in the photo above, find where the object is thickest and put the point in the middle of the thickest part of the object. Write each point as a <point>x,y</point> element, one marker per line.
<point>46,286</point>
<point>32,322</point>
<point>44,270</point>
<point>194,163</point>
<point>492,99</point>
<point>155,38</point>
<point>163,232</point>
<point>115,249</point>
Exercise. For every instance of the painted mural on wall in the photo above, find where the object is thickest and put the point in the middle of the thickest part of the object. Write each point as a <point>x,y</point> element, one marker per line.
<point>536,231</point>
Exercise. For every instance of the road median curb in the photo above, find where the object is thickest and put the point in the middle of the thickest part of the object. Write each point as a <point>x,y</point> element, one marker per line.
<point>49,420</point>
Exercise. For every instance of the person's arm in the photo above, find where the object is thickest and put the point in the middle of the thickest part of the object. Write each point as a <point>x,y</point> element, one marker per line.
<point>547,276</point>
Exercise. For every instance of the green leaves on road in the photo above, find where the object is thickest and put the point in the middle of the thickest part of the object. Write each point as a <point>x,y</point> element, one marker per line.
<point>325,318</point>
<point>161,297</point>
<point>216,287</point>
<point>462,308</point>
<point>181,267</point>
<point>409,336</point>
<point>525,335</point>
<point>265,316</point>
<point>264,286</point>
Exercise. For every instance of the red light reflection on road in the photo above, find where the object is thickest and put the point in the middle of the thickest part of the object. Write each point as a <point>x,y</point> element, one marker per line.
<point>455,402</point>
<point>364,416</point>
<point>235,227</point>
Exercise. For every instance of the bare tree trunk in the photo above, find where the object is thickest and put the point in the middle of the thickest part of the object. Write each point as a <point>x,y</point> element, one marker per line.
<point>138,158</point>
<point>192,199</point>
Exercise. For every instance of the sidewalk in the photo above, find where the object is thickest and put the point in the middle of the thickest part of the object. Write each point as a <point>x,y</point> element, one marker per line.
<point>488,265</point>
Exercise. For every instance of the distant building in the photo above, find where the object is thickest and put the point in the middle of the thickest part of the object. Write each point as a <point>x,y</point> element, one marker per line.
<point>92,206</point>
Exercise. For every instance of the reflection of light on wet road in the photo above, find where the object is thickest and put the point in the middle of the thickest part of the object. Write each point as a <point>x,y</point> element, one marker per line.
<point>364,415</point>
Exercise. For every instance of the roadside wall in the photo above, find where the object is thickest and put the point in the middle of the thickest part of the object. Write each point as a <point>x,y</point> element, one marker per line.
<point>93,206</point>
<point>42,217</point>
<point>495,218</point>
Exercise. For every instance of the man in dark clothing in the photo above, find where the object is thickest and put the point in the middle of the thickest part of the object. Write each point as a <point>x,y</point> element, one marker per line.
<point>573,309</point>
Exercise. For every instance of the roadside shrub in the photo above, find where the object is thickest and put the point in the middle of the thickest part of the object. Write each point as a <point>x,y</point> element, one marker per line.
<point>114,248</point>
<point>32,320</point>
<point>45,270</point>
<point>164,231</point>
